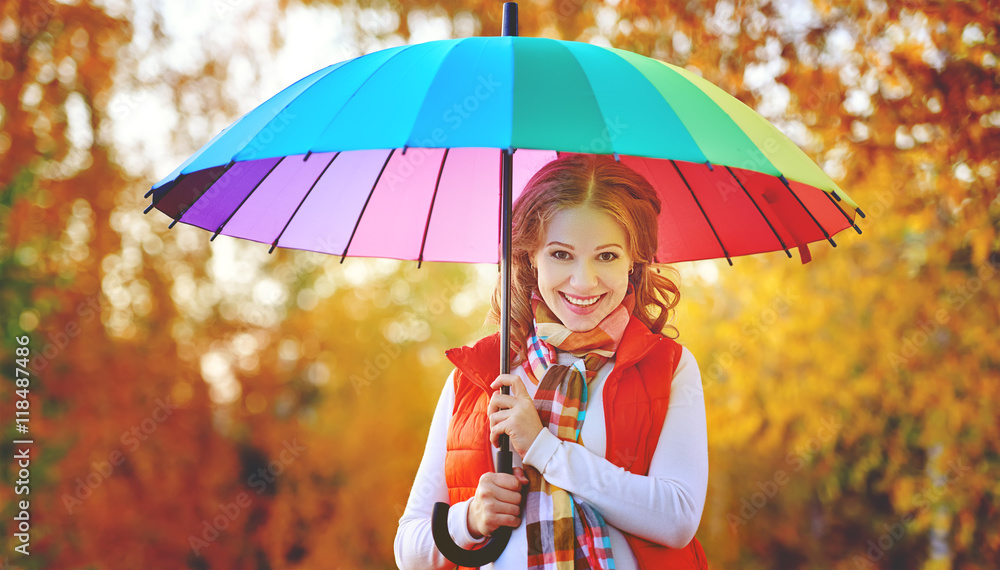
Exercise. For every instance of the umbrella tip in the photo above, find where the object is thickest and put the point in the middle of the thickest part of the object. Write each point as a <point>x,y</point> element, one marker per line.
<point>174,223</point>
<point>708,163</point>
<point>857,228</point>
<point>860,213</point>
<point>783,179</point>
<point>617,158</point>
<point>146,211</point>
<point>835,195</point>
<point>306,157</point>
<point>404,149</point>
<point>148,193</point>
<point>273,245</point>
<point>509,23</point>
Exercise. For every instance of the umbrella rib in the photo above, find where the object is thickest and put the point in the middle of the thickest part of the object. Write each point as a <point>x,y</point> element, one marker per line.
<point>427,225</point>
<point>156,200</point>
<point>188,207</point>
<point>274,244</point>
<point>797,199</point>
<point>252,190</point>
<point>841,210</point>
<point>781,241</point>
<point>712,227</point>
<point>361,214</point>
<point>857,209</point>
<point>174,184</point>
<point>170,184</point>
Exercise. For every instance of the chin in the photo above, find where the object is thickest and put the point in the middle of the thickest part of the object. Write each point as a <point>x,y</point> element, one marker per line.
<point>576,324</point>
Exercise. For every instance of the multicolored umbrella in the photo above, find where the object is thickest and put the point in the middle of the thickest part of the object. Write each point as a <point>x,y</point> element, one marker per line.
<point>416,152</point>
<point>397,154</point>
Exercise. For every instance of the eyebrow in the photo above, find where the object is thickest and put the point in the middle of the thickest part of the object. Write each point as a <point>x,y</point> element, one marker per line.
<point>568,246</point>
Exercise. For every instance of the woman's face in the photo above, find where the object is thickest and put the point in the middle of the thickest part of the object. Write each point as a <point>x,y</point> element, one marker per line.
<point>583,266</point>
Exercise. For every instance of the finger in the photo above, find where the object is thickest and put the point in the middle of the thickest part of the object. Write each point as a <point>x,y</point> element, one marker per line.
<point>498,429</point>
<point>517,388</point>
<point>500,402</point>
<point>504,380</point>
<point>512,522</point>
<point>505,502</point>
<point>493,495</point>
<point>504,520</point>
<point>510,482</point>
<point>499,416</point>
<point>495,432</point>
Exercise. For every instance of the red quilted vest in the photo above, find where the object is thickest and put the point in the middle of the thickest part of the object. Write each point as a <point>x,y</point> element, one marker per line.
<point>634,411</point>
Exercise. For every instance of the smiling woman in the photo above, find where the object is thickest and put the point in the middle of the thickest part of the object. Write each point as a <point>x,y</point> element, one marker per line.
<point>605,414</point>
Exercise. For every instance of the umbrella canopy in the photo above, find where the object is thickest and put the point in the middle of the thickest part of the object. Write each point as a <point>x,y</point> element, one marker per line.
<point>397,154</point>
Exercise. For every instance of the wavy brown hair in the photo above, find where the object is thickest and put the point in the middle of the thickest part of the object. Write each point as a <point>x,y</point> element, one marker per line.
<point>602,183</point>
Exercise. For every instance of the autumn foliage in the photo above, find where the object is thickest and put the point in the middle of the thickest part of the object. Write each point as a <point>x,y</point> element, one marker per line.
<point>203,404</point>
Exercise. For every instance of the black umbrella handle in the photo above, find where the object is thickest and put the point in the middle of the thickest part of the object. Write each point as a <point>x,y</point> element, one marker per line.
<point>498,540</point>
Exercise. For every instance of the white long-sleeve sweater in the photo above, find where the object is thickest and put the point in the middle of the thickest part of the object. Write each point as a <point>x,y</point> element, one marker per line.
<point>664,507</point>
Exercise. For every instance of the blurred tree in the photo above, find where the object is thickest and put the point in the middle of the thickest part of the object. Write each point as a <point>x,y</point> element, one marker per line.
<point>122,427</point>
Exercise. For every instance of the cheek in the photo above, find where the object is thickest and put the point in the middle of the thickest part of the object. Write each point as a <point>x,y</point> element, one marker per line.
<point>550,274</point>
<point>617,279</point>
<point>545,282</point>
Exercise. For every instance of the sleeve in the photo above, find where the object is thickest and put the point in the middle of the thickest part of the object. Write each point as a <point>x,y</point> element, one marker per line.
<point>414,545</point>
<point>665,506</point>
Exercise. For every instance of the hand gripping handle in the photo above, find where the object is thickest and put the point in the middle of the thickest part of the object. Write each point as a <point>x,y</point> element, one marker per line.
<point>498,541</point>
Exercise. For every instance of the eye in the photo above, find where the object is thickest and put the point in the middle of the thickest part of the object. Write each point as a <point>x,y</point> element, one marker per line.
<point>607,256</point>
<point>560,254</point>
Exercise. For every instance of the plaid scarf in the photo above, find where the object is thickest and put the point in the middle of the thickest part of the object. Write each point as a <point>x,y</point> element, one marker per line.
<point>562,531</point>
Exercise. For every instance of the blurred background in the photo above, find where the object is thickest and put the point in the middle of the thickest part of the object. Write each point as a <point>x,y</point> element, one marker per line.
<point>199,405</point>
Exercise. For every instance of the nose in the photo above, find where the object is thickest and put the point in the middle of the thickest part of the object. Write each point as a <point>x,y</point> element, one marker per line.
<point>584,276</point>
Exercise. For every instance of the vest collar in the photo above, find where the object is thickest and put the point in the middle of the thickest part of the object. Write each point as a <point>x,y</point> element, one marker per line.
<point>481,362</point>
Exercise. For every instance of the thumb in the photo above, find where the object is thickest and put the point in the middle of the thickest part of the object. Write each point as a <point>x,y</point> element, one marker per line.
<point>519,473</point>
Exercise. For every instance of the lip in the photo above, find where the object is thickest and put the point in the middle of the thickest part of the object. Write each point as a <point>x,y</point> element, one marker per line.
<point>578,309</point>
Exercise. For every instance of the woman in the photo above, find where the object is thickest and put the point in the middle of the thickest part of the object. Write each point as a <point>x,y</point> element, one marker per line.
<point>605,415</point>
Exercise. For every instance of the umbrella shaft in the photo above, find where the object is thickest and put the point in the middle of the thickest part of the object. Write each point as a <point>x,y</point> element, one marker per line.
<point>504,462</point>
<point>505,235</point>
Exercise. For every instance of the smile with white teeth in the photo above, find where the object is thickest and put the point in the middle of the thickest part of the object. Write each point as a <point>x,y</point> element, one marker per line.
<point>582,302</point>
